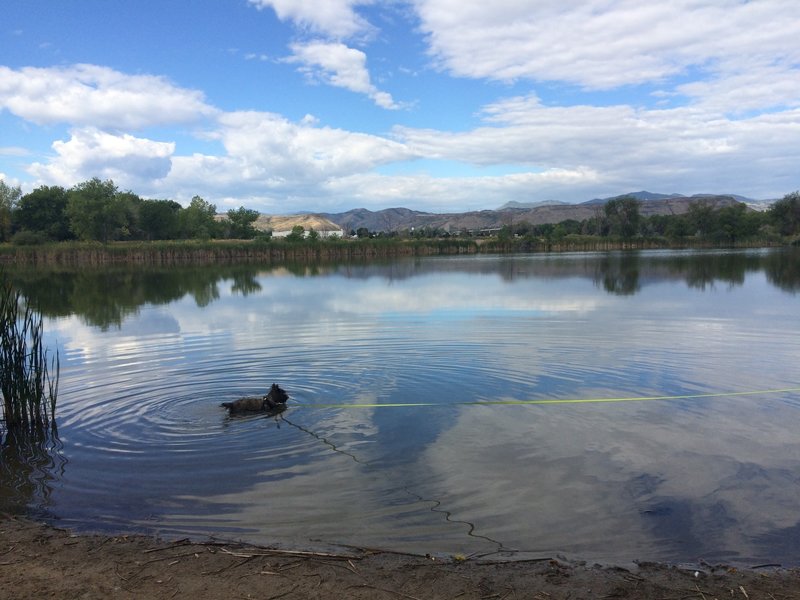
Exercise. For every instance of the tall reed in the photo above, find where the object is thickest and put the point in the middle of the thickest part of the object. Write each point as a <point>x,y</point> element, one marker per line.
<point>28,387</point>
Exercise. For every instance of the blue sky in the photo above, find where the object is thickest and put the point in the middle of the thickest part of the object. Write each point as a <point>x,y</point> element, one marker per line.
<point>439,105</point>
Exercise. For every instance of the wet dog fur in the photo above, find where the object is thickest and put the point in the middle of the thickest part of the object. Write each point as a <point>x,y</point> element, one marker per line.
<point>274,400</point>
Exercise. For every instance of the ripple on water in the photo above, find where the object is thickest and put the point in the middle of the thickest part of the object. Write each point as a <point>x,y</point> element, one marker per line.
<point>148,446</point>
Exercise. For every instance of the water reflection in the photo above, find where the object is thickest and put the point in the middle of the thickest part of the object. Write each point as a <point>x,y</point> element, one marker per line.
<point>142,382</point>
<point>32,463</point>
<point>104,297</point>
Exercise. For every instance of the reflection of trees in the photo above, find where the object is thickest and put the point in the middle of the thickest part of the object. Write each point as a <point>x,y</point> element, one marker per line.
<point>704,270</point>
<point>619,273</point>
<point>31,463</point>
<point>105,297</point>
<point>245,284</point>
<point>783,270</point>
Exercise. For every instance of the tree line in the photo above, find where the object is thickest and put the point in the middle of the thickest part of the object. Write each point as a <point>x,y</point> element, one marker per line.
<point>96,210</point>
<point>621,219</point>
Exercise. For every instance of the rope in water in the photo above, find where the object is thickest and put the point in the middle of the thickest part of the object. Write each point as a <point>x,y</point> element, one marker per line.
<point>550,401</point>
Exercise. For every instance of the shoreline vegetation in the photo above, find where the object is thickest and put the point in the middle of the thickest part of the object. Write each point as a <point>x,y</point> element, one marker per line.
<point>193,252</point>
<point>95,223</point>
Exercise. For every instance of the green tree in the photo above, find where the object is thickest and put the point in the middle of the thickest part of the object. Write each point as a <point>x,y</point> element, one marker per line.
<point>736,223</point>
<point>623,217</point>
<point>158,219</point>
<point>313,235</point>
<point>298,234</point>
<point>701,218</point>
<point>198,220</point>
<point>129,205</point>
<point>677,227</point>
<point>97,211</point>
<point>241,223</point>
<point>784,214</point>
<point>505,234</point>
<point>44,211</point>
<point>9,196</point>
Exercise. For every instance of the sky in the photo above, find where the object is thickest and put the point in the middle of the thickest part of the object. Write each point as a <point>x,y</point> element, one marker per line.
<point>288,106</point>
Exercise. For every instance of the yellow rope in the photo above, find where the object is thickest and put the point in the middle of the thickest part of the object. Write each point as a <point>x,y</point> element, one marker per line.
<point>553,401</point>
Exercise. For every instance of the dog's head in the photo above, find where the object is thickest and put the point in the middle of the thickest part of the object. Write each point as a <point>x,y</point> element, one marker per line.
<point>277,394</point>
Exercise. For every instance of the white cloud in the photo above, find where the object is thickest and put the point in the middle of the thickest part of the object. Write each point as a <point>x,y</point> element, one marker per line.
<point>763,87</point>
<point>271,162</point>
<point>130,161</point>
<point>340,66</point>
<point>90,95</point>
<point>607,43</point>
<point>335,18</point>
<point>456,194</point>
<point>657,149</point>
<point>10,181</point>
<point>302,152</point>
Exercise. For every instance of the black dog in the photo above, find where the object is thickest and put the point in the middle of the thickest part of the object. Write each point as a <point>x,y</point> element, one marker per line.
<point>275,400</point>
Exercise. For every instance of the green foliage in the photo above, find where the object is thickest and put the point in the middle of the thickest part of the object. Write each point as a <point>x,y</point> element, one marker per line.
<point>263,237</point>
<point>97,211</point>
<point>29,238</point>
<point>505,234</point>
<point>9,196</point>
<point>622,217</point>
<point>29,392</point>
<point>159,219</point>
<point>297,235</point>
<point>197,221</point>
<point>700,218</point>
<point>240,223</point>
<point>44,211</point>
<point>784,215</point>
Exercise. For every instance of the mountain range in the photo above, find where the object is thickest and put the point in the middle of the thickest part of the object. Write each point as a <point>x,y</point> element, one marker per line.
<point>538,213</point>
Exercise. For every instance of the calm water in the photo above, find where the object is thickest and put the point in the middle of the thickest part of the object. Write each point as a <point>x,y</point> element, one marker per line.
<point>146,358</point>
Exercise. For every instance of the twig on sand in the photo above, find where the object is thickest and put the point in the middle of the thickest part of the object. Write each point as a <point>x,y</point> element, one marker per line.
<point>174,544</point>
<point>284,593</point>
<point>372,587</point>
<point>230,566</point>
<point>300,553</point>
<point>743,591</point>
<point>172,556</point>
<point>702,595</point>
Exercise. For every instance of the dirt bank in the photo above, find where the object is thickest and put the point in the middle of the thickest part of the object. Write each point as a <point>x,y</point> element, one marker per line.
<point>38,561</point>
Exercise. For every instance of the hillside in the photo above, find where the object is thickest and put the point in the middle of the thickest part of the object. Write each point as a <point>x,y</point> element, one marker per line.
<point>398,219</point>
<point>278,223</point>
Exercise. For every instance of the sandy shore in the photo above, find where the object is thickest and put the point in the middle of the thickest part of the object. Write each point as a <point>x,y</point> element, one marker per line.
<point>39,561</point>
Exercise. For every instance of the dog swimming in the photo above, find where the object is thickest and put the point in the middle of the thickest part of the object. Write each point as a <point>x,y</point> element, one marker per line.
<point>273,401</point>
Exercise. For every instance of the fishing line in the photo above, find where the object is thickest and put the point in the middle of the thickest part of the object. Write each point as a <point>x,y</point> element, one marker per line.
<point>436,504</point>
<point>544,401</point>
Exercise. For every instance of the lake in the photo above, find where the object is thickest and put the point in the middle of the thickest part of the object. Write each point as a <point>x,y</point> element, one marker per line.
<point>601,406</point>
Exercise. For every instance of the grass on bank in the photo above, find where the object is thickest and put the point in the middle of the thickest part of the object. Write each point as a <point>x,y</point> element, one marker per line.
<point>266,249</point>
<point>28,375</point>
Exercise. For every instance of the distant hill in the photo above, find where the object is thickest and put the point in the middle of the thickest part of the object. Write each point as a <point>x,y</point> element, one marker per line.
<point>399,219</point>
<point>514,204</point>
<point>643,196</point>
<point>286,223</point>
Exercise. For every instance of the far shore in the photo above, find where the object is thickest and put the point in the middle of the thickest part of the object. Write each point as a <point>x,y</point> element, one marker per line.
<point>194,252</point>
